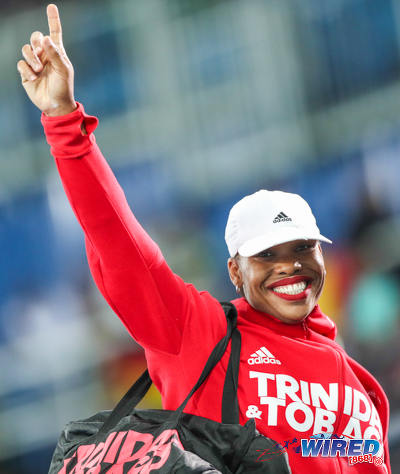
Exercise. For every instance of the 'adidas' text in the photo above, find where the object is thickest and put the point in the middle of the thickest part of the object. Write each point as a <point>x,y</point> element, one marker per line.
<point>262,356</point>
<point>281,217</point>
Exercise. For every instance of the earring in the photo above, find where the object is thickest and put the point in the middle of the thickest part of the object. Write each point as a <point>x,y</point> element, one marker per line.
<point>237,289</point>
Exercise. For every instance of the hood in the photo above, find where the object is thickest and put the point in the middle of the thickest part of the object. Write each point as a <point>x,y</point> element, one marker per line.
<point>321,323</point>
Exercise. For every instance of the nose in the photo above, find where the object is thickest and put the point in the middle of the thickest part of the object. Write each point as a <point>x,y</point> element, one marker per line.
<point>288,267</point>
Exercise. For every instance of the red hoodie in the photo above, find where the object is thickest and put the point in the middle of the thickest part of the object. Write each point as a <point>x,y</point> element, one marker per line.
<point>293,379</point>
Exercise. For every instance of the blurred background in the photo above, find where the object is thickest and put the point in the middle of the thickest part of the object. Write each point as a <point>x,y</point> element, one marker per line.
<point>200,102</point>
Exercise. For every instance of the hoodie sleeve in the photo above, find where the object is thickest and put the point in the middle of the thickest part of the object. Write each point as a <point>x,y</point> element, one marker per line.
<point>127,266</point>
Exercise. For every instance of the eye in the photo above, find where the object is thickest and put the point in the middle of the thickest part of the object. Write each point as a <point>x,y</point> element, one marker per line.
<point>304,247</point>
<point>265,254</point>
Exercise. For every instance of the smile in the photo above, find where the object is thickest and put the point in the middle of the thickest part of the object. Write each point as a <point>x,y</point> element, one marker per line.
<point>296,288</point>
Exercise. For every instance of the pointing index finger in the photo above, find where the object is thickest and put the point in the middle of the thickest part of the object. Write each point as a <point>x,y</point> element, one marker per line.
<point>53,18</point>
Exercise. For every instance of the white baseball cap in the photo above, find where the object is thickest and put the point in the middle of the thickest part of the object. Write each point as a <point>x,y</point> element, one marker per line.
<point>267,218</point>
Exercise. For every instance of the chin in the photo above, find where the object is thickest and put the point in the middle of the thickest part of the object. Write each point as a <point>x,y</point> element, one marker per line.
<point>295,319</point>
<point>294,316</point>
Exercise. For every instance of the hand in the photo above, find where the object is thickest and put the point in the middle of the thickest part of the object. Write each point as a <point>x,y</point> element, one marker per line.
<point>46,72</point>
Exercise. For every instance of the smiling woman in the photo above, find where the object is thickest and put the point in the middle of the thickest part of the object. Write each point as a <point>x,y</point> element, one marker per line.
<point>276,259</point>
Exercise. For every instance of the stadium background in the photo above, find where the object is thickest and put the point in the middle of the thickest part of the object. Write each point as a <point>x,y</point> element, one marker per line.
<point>200,103</point>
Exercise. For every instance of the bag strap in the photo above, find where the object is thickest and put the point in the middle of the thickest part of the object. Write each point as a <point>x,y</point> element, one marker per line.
<point>215,357</point>
<point>129,401</point>
<point>230,407</point>
<point>230,404</point>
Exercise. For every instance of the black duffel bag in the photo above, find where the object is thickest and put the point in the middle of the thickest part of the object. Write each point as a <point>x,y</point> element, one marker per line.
<point>130,441</point>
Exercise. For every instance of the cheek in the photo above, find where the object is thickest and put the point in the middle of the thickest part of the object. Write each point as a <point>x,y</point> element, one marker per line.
<point>320,268</point>
<point>252,279</point>
<point>319,263</point>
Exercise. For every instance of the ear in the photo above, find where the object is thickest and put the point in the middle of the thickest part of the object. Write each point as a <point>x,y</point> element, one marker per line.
<point>235,272</point>
<point>319,247</point>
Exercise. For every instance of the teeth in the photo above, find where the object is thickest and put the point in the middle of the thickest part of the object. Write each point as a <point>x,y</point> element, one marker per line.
<point>295,289</point>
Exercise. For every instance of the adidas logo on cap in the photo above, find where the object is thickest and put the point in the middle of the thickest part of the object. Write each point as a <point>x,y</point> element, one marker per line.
<point>263,356</point>
<point>281,217</point>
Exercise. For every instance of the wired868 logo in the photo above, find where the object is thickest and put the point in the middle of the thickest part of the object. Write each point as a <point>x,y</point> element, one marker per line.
<point>356,450</point>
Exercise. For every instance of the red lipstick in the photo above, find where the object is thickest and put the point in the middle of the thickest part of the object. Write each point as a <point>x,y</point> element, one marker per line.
<point>292,281</point>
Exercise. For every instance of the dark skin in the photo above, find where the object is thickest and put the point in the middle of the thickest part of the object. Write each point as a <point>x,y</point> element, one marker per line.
<point>253,275</point>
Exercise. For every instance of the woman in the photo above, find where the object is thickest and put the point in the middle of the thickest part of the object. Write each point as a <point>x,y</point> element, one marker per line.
<point>294,380</point>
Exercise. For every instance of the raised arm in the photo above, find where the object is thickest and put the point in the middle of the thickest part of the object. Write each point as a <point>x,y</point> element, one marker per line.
<point>128,267</point>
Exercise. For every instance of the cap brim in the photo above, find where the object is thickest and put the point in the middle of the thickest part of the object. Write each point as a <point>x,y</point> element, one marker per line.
<point>263,242</point>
